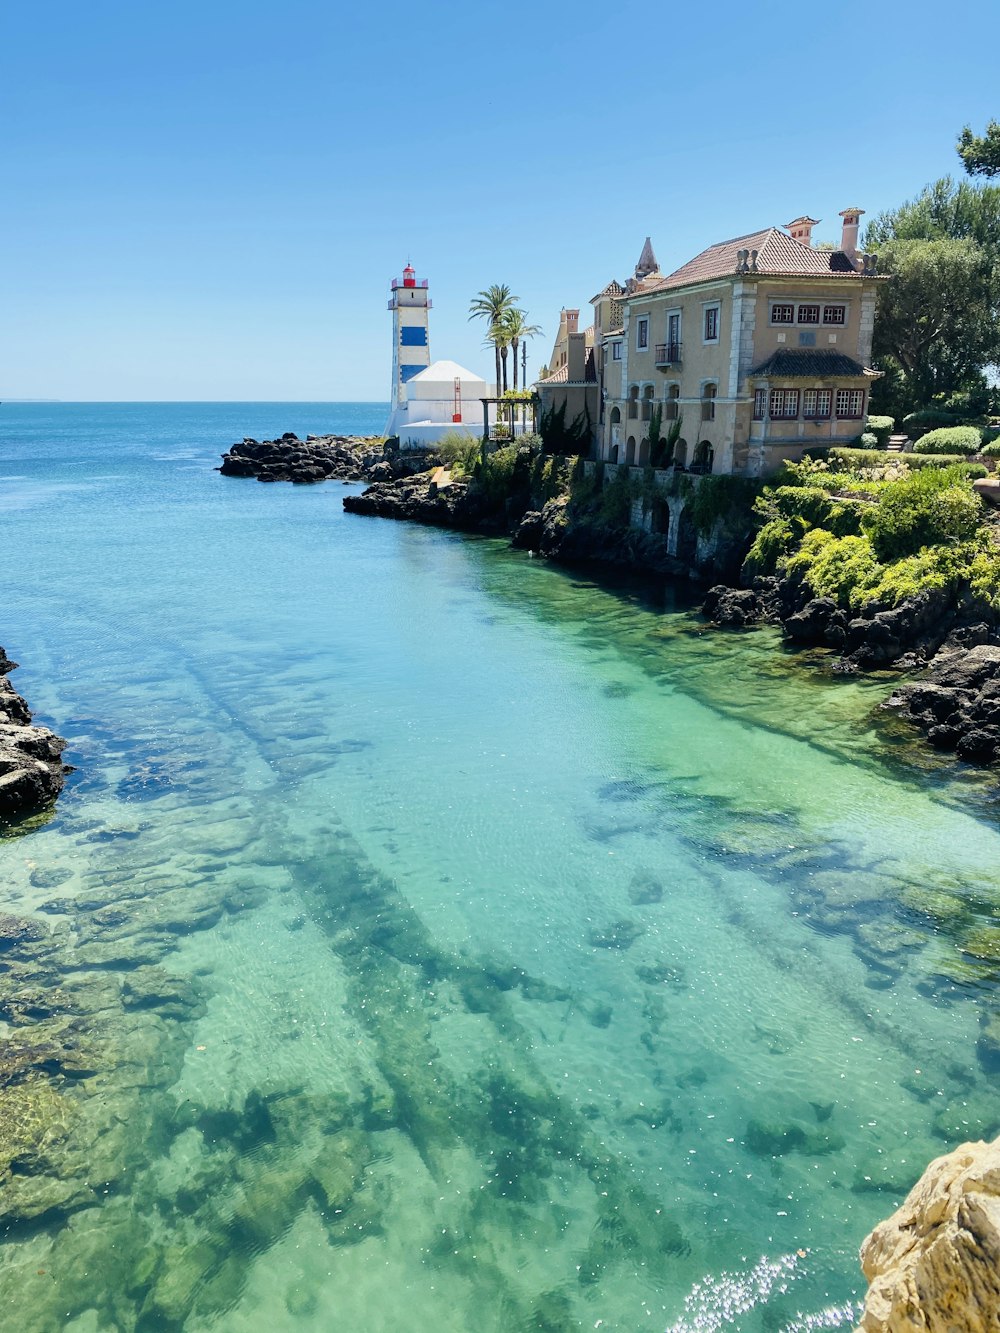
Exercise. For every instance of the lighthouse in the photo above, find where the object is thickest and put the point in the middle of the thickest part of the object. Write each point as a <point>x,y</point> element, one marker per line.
<point>411,344</point>
<point>428,399</point>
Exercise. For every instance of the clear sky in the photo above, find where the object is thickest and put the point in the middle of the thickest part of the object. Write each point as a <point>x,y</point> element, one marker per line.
<point>208,200</point>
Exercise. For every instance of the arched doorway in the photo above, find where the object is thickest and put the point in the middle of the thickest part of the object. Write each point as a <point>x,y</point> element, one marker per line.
<point>630,451</point>
<point>704,457</point>
<point>644,453</point>
<point>613,456</point>
<point>681,453</point>
<point>616,416</point>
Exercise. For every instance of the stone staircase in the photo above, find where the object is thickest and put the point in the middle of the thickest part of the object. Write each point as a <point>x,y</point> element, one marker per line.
<point>899,444</point>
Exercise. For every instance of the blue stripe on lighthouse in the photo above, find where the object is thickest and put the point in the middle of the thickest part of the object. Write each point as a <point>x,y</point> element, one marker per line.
<point>413,335</point>
<point>408,372</point>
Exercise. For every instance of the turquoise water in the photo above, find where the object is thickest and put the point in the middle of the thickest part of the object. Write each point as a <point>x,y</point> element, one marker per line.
<point>438,939</point>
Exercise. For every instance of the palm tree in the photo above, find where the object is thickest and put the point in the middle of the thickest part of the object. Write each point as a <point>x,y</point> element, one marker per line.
<point>518,328</point>
<point>492,305</point>
<point>500,339</point>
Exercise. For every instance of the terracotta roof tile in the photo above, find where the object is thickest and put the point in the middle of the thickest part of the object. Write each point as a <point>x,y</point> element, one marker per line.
<point>560,376</point>
<point>777,253</point>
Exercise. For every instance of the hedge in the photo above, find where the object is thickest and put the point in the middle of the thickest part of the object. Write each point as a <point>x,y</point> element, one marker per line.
<point>950,440</point>
<point>849,459</point>
<point>881,428</point>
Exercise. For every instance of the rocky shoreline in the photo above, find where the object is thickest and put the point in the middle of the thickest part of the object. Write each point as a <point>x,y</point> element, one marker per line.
<point>320,458</point>
<point>31,768</point>
<point>955,703</point>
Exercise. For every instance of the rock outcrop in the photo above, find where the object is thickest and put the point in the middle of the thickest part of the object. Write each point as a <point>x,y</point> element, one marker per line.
<point>934,1266</point>
<point>320,458</point>
<point>31,768</point>
<point>957,701</point>
<point>421,499</point>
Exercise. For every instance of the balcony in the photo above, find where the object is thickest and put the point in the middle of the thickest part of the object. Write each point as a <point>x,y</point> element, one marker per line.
<point>667,354</point>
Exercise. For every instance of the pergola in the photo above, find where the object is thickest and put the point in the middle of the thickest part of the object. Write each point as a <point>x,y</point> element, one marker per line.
<point>510,418</point>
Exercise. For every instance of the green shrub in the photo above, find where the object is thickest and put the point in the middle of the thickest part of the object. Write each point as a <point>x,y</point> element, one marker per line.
<point>495,474</point>
<point>866,440</point>
<point>847,460</point>
<point>923,509</point>
<point>984,575</point>
<point>459,451</point>
<point>810,503</point>
<point>929,418</point>
<point>725,498</point>
<point>550,476</point>
<point>881,428</point>
<point>950,440</point>
<point>932,567</point>
<point>776,540</point>
<point>843,568</point>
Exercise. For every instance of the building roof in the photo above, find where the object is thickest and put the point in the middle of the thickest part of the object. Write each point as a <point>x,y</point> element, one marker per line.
<point>787,363</point>
<point>613,289</point>
<point>560,376</point>
<point>445,372</point>
<point>777,253</point>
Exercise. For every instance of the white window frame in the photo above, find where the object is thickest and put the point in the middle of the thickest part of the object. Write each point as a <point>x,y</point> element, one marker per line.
<point>857,395</point>
<point>782,323</point>
<point>811,305</point>
<point>616,351</point>
<point>834,323</point>
<point>760,402</point>
<point>786,398</point>
<point>817,416</point>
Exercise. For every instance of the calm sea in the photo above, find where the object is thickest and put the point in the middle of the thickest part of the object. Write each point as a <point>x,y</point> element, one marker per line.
<point>440,940</point>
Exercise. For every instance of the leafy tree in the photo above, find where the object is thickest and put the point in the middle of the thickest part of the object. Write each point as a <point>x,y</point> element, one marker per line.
<point>941,210</point>
<point>492,305</point>
<point>939,317</point>
<point>980,153</point>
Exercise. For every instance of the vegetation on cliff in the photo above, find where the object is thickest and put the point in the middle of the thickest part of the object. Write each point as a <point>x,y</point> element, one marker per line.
<point>878,532</point>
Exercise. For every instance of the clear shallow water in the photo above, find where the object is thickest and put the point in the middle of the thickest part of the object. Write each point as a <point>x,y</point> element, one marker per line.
<point>446,941</point>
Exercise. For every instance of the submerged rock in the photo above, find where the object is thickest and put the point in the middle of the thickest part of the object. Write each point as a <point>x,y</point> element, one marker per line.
<point>957,702</point>
<point>935,1264</point>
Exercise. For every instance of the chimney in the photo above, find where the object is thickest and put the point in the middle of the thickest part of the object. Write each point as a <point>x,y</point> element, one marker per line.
<point>572,321</point>
<point>801,229</point>
<point>849,240</point>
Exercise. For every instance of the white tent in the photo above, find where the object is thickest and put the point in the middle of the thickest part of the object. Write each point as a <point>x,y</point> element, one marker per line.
<point>431,405</point>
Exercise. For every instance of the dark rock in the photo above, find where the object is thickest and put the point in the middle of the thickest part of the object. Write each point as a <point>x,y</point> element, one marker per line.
<point>820,621</point>
<point>528,535</point>
<point>319,458</point>
<point>979,746</point>
<point>731,607</point>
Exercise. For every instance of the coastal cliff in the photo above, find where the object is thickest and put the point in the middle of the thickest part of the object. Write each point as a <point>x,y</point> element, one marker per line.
<point>934,1266</point>
<point>31,767</point>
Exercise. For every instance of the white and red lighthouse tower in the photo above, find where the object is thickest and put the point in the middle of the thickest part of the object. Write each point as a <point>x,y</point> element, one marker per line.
<point>411,343</point>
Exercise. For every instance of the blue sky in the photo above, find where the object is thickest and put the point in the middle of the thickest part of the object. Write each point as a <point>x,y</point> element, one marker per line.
<point>208,200</point>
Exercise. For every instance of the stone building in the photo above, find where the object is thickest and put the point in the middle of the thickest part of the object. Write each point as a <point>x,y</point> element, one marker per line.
<point>759,346</point>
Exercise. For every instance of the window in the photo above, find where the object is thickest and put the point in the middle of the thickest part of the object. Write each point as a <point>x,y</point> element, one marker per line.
<point>616,351</point>
<point>759,404</point>
<point>708,402</point>
<point>808,314</point>
<point>712,324</point>
<point>674,330</point>
<point>784,404</point>
<point>816,404</point>
<point>834,314</point>
<point>782,314</point>
<point>642,333</point>
<point>670,407</point>
<point>850,403</point>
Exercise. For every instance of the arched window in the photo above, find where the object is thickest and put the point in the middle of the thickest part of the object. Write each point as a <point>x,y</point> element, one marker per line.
<point>644,454</point>
<point>647,402</point>
<point>633,402</point>
<point>680,452</point>
<point>616,416</point>
<point>708,402</point>
<point>670,406</point>
<point>614,454</point>
<point>630,451</point>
